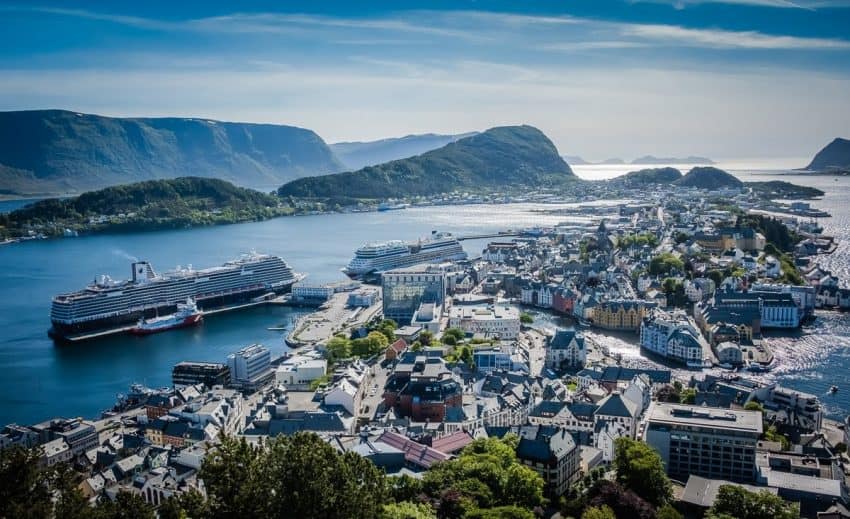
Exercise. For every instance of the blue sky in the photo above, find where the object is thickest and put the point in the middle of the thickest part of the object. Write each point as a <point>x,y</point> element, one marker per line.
<point>723,78</point>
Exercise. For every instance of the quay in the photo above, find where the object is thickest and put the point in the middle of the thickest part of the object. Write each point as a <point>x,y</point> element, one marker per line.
<point>331,318</point>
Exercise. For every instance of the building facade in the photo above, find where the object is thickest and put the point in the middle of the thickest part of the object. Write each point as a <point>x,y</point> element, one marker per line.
<point>404,290</point>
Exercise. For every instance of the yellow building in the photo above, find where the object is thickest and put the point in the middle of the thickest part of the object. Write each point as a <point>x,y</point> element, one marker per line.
<point>620,315</point>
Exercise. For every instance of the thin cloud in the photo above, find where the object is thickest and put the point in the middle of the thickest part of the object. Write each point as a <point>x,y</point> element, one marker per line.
<point>721,39</point>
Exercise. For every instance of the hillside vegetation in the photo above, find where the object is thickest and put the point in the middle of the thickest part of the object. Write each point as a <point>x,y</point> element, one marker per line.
<point>56,151</point>
<point>153,204</point>
<point>509,156</point>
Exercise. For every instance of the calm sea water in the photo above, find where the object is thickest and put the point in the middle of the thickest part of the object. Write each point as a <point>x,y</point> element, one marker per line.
<point>40,380</point>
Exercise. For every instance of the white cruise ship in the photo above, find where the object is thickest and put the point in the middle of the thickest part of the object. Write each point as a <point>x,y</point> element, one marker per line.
<point>374,258</point>
<point>107,304</point>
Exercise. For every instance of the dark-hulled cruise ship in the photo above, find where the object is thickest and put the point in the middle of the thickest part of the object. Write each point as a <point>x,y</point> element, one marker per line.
<point>107,304</point>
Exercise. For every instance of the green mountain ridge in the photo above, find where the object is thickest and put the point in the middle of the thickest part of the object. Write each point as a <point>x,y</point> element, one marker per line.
<point>499,157</point>
<point>651,176</point>
<point>58,151</point>
<point>708,178</point>
<point>147,205</point>
<point>356,155</point>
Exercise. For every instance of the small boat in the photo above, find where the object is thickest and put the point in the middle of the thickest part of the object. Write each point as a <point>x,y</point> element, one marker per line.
<point>187,315</point>
<point>833,389</point>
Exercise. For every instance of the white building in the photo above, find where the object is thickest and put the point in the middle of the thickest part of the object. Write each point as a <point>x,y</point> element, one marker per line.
<point>250,365</point>
<point>299,371</point>
<point>673,335</point>
<point>491,321</point>
<point>566,349</point>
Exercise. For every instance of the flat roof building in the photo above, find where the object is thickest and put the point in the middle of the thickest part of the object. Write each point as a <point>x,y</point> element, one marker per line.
<point>710,442</point>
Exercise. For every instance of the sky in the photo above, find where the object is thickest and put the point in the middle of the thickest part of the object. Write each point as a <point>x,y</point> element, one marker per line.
<point>727,79</point>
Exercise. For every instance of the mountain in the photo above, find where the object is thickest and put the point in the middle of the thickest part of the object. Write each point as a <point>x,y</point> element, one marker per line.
<point>356,155</point>
<point>649,159</point>
<point>835,155</point>
<point>148,205</point>
<point>56,151</point>
<point>708,177</point>
<point>499,157</point>
<point>651,176</point>
<point>612,162</point>
<point>575,160</point>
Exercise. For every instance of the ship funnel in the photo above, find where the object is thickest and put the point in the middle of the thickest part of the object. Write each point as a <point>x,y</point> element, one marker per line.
<point>142,271</point>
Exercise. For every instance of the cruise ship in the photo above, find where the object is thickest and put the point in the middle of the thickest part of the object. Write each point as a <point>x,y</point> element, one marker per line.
<point>107,304</point>
<point>375,258</point>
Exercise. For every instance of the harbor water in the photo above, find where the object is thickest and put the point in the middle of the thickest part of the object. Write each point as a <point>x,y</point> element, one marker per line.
<point>41,380</point>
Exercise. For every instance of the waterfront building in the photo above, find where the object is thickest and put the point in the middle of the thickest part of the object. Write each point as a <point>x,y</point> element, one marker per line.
<point>364,297</point>
<point>207,373</point>
<point>80,435</point>
<point>776,309</point>
<point>673,335</point>
<point>501,322</point>
<point>621,314</point>
<point>404,290</point>
<point>566,349</point>
<point>250,366</point>
<point>709,442</point>
<point>310,293</point>
<point>55,451</point>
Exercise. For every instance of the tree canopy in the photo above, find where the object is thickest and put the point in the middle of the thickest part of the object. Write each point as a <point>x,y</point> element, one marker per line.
<point>640,468</point>
<point>735,501</point>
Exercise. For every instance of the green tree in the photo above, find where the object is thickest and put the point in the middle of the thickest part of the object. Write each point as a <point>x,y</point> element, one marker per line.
<point>640,468</point>
<point>526,318</point>
<point>271,480</point>
<point>126,506</point>
<point>668,512</point>
<point>735,501</point>
<point>339,347</point>
<point>500,512</point>
<point>24,485</point>
<point>600,512</point>
<point>752,405</point>
<point>426,338</point>
<point>665,263</point>
<point>689,396</point>
<point>407,510</point>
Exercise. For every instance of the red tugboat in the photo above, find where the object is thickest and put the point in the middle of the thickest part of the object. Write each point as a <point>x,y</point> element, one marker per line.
<point>187,315</point>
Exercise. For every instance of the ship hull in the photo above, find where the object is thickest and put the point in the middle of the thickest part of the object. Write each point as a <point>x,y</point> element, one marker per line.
<point>192,320</point>
<point>63,332</point>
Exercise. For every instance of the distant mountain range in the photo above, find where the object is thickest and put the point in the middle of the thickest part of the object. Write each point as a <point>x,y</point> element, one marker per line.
<point>506,156</point>
<point>834,156</point>
<point>575,160</point>
<point>356,155</point>
<point>649,159</point>
<point>57,151</point>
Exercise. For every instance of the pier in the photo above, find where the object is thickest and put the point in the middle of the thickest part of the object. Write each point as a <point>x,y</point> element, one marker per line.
<point>499,234</point>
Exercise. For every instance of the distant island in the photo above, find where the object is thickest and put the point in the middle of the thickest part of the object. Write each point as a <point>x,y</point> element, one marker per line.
<point>575,160</point>
<point>649,159</point>
<point>834,157</point>
<point>612,162</point>
<point>58,151</point>
<point>508,156</point>
<point>356,155</point>
<point>149,205</point>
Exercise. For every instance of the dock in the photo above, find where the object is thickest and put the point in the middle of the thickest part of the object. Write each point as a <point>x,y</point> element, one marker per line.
<point>500,234</point>
<point>332,318</point>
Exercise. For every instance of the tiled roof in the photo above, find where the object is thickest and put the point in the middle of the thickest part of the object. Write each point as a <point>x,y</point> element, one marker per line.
<point>415,453</point>
<point>453,442</point>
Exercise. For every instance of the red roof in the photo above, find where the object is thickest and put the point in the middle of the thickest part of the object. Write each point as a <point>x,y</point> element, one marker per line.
<point>415,453</point>
<point>399,346</point>
<point>453,442</point>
